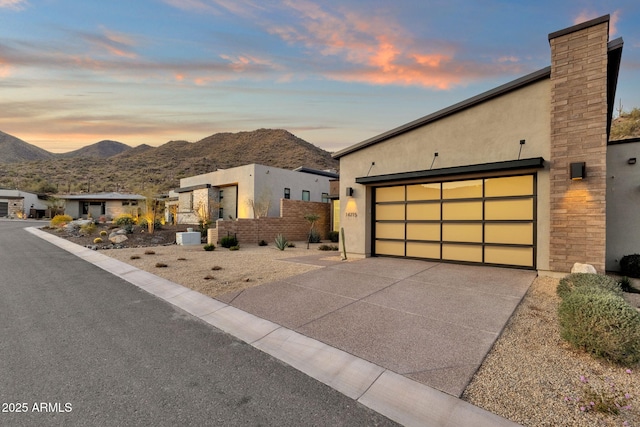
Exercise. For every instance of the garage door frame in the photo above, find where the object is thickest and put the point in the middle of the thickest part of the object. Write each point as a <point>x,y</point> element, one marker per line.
<point>484,171</point>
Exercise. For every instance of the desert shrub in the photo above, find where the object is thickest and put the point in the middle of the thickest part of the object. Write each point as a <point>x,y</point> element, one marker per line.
<point>124,219</point>
<point>228,241</point>
<point>209,247</point>
<point>334,236</point>
<point>144,222</point>
<point>262,243</point>
<point>216,268</point>
<point>314,237</point>
<point>327,248</point>
<point>161,265</point>
<point>88,228</point>
<point>97,240</point>
<point>601,323</point>
<point>60,220</point>
<point>594,282</point>
<point>134,257</point>
<point>128,228</point>
<point>149,252</point>
<point>103,233</point>
<point>234,248</point>
<point>281,242</point>
<point>630,265</point>
<point>291,245</point>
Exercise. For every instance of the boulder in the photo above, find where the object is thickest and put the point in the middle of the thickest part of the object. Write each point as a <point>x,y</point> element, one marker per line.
<point>118,238</point>
<point>583,268</point>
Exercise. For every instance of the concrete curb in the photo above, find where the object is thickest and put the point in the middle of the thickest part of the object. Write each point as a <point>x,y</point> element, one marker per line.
<point>388,393</point>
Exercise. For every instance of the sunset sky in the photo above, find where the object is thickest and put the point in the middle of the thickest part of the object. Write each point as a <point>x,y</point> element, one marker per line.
<point>74,72</point>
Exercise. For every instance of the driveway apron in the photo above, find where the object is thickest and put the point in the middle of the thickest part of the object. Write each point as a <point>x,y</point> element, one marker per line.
<point>431,322</point>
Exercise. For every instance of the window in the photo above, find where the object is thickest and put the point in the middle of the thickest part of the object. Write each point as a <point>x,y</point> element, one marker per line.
<point>306,195</point>
<point>220,213</point>
<point>220,195</point>
<point>325,197</point>
<point>287,193</point>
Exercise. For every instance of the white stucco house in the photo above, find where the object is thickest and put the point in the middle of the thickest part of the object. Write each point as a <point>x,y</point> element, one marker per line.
<point>248,191</point>
<point>19,204</point>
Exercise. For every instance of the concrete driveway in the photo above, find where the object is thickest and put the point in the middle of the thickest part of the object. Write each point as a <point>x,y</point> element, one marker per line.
<point>431,322</point>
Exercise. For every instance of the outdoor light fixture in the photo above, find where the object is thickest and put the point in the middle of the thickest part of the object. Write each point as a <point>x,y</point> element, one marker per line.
<point>349,192</point>
<point>578,171</point>
<point>632,161</point>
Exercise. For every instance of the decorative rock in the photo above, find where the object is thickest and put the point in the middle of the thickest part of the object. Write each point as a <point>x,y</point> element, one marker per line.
<point>583,268</point>
<point>118,238</point>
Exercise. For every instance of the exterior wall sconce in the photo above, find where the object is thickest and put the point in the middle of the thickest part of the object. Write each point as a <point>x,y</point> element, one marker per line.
<point>578,171</point>
<point>632,161</point>
<point>349,192</point>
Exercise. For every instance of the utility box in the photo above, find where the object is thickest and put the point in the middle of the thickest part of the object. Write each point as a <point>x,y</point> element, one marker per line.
<point>188,238</point>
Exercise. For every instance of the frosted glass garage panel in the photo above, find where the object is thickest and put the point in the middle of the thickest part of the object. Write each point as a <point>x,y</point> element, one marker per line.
<point>390,212</point>
<point>467,253</point>
<point>461,211</point>
<point>422,231</point>
<point>384,247</point>
<point>462,233</point>
<point>390,194</point>
<point>390,230</point>
<point>517,234</point>
<point>462,189</point>
<point>509,186</point>
<point>423,192</point>
<point>509,256</point>
<point>423,211</point>
<point>518,209</point>
<point>423,250</point>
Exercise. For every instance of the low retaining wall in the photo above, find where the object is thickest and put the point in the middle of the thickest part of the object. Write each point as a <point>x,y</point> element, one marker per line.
<point>291,224</point>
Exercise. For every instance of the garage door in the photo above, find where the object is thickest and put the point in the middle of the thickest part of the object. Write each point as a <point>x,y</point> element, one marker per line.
<point>4,209</point>
<point>486,221</point>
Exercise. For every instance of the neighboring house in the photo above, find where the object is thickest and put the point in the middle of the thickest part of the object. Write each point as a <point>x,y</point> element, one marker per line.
<point>518,176</point>
<point>247,191</point>
<point>20,204</point>
<point>96,205</point>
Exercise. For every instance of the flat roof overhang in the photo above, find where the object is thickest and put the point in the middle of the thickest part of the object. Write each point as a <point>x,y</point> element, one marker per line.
<point>506,166</point>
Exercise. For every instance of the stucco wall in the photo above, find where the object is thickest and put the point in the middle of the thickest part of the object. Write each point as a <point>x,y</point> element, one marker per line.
<point>623,203</point>
<point>489,132</point>
<point>253,182</point>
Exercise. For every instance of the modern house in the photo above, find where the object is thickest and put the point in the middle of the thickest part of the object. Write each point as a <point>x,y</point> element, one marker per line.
<point>21,204</point>
<point>249,191</point>
<point>96,205</point>
<point>521,176</point>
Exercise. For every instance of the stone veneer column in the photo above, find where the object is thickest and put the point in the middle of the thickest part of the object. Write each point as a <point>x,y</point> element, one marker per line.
<point>579,134</point>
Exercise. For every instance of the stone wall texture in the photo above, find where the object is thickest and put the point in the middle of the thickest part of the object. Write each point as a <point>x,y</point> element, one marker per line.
<point>578,134</point>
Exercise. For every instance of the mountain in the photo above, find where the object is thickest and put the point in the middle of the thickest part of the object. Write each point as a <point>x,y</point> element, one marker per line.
<point>101,150</point>
<point>160,168</point>
<point>15,150</point>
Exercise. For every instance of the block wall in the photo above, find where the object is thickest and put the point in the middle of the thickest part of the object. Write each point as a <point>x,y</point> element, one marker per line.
<point>291,224</point>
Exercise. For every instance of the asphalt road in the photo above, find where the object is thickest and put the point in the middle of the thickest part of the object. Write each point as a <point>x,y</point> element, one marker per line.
<point>82,347</point>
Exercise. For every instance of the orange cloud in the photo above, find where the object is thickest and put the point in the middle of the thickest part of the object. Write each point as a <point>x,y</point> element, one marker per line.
<point>379,49</point>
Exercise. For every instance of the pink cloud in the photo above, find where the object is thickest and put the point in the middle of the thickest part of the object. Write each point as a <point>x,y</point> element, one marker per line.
<point>13,4</point>
<point>586,15</point>
<point>376,49</point>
